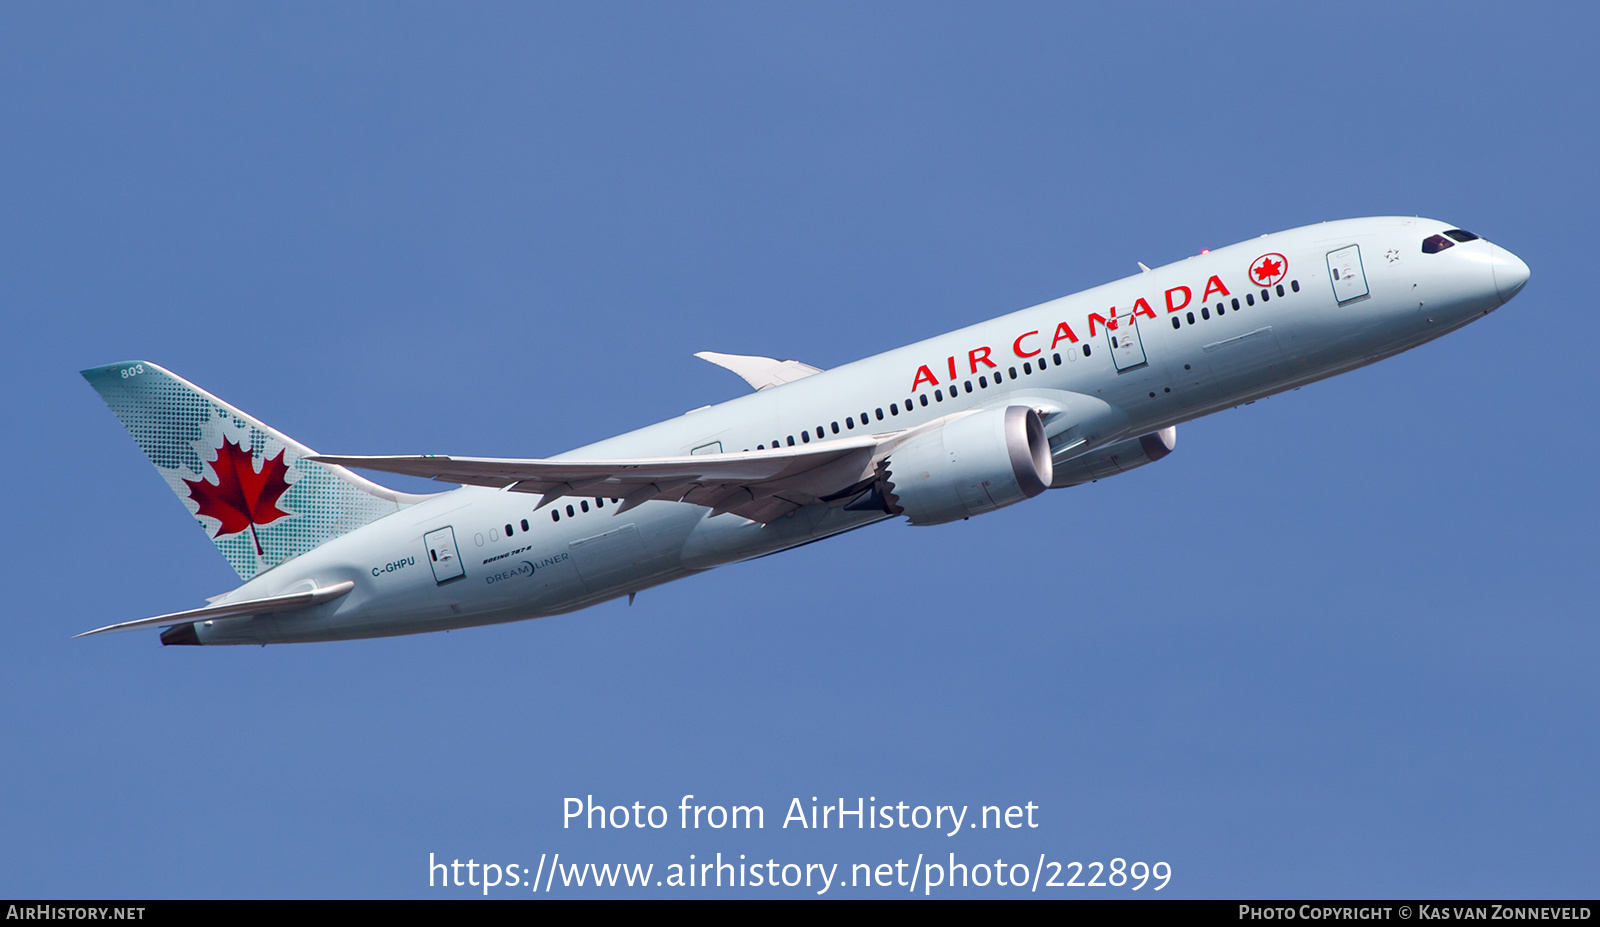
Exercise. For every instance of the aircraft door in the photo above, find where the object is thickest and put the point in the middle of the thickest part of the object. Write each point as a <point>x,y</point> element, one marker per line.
<point>1349,278</point>
<point>443,555</point>
<point>1127,350</point>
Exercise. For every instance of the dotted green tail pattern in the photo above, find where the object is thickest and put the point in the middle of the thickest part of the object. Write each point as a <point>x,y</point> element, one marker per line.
<point>184,431</point>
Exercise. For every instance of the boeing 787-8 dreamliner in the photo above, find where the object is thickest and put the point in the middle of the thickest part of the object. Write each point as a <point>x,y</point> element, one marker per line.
<point>1073,390</point>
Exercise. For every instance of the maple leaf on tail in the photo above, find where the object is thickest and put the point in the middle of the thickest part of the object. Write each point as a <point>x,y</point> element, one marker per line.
<point>241,498</point>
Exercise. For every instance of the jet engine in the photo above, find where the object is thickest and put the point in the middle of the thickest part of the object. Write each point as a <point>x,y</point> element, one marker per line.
<point>975,464</point>
<point>1116,458</point>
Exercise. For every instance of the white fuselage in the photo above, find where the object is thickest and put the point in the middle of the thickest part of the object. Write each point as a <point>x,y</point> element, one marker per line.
<point>1112,363</point>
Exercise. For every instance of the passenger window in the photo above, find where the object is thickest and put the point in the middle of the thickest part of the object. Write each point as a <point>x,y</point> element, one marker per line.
<point>1294,285</point>
<point>1085,350</point>
<point>1191,317</point>
<point>938,396</point>
<point>819,433</point>
<point>1249,299</point>
<point>1266,295</point>
<point>983,383</point>
<point>509,532</point>
<point>1056,358</point>
<point>525,524</point>
<point>968,385</point>
<point>924,399</point>
<point>1027,367</point>
<point>849,422</point>
<point>1176,324</point>
<point>805,437</point>
<point>1011,372</point>
<point>880,414</point>
<point>1236,304</point>
<point>584,505</point>
<point>571,513</point>
<point>1205,313</point>
<point>555,515</point>
<point>894,409</point>
<point>835,426</point>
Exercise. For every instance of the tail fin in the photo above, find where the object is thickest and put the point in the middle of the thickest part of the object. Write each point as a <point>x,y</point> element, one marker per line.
<point>246,484</point>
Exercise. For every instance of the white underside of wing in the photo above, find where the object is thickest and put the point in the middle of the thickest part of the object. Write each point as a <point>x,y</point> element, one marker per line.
<point>758,485</point>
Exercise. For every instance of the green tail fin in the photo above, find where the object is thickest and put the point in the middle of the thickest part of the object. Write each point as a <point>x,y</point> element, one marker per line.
<point>245,483</point>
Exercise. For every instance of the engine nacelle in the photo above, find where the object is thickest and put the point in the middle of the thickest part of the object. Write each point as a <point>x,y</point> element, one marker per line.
<point>973,465</point>
<point>1116,458</point>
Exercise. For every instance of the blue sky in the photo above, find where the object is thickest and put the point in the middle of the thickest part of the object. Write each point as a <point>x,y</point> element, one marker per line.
<point>1339,644</point>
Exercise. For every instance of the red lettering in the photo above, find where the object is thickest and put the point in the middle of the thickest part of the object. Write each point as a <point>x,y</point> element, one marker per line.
<point>952,361</point>
<point>1214,285</point>
<point>1171,307</point>
<point>982,354</point>
<point>1016,346</point>
<point>924,375</point>
<point>1110,324</point>
<point>1140,307</point>
<point>1063,331</point>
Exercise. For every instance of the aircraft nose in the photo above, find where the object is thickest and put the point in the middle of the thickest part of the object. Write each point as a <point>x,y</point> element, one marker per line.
<point>1510,273</point>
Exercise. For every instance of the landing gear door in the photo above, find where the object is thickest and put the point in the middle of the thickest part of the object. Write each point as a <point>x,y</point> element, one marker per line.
<point>1127,351</point>
<point>443,555</point>
<point>1348,276</point>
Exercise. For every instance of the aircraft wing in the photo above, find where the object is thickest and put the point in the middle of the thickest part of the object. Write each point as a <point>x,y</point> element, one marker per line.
<point>759,485</point>
<point>266,606</point>
<point>761,372</point>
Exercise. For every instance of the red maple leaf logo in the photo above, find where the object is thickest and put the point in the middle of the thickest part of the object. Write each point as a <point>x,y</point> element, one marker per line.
<point>241,498</point>
<point>1265,271</point>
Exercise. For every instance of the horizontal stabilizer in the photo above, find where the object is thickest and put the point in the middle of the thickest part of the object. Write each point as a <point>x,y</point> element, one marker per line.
<point>761,372</point>
<point>266,606</point>
<point>777,481</point>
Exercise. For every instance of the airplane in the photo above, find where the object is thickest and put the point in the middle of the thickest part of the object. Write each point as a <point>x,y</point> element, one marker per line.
<point>1070,391</point>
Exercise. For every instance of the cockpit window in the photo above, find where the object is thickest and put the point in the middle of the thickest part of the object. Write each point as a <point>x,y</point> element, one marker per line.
<point>1461,234</point>
<point>1433,244</point>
